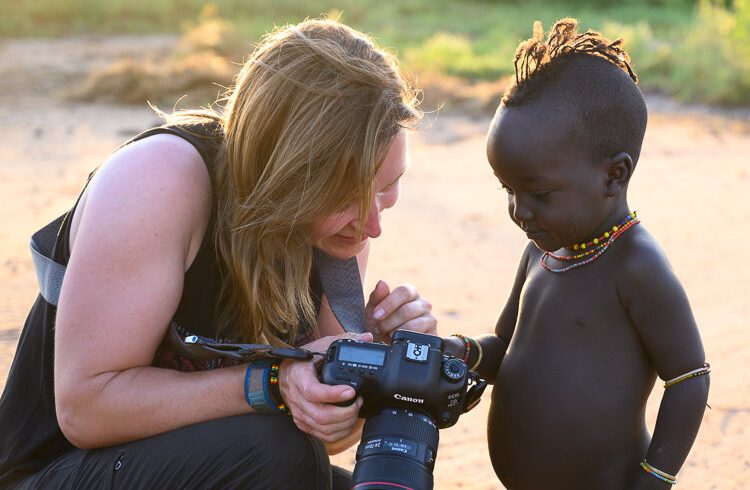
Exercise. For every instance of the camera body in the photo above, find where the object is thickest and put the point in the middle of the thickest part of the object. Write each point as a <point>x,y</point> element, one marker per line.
<point>412,374</point>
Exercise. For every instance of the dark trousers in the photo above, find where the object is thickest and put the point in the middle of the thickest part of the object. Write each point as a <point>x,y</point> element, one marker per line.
<point>248,452</point>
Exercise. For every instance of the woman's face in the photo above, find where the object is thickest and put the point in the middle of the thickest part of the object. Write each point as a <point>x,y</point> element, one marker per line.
<point>336,234</point>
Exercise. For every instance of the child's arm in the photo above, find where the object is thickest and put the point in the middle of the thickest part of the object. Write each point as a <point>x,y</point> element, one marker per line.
<point>661,314</point>
<point>493,347</point>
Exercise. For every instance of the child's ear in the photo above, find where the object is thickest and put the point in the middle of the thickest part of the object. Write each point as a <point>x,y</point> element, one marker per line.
<point>619,170</point>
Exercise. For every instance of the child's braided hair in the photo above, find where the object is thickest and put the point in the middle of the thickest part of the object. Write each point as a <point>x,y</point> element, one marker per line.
<point>535,56</point>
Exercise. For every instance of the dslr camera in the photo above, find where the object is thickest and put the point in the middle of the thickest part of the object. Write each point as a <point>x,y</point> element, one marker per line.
<point>410,390</point>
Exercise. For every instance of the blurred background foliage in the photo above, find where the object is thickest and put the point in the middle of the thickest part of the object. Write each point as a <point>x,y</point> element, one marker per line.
<point>697,51</point>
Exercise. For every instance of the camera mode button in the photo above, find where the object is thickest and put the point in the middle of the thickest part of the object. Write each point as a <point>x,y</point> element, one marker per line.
<point>454,370</point>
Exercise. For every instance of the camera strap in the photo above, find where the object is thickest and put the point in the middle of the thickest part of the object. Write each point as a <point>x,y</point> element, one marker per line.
<point>342,286</point>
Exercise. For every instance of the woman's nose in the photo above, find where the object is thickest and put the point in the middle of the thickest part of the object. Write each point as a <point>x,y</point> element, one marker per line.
<point>372,225</point>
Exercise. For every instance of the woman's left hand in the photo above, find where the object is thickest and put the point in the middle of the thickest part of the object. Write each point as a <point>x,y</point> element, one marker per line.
<point>403,308</point>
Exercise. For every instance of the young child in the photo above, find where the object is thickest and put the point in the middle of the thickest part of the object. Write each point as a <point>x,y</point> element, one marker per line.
<point>596,312</point>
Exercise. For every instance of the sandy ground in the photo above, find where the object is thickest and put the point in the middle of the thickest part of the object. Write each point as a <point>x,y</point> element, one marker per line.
<point>449,235</point>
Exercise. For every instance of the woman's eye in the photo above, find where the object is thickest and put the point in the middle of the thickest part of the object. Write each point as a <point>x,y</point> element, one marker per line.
<point>506,189</point>
<point>390,187</point>
<point>541,195</point>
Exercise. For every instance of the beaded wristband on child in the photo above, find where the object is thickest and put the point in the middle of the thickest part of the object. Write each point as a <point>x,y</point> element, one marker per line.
<point>468,343</point>
<point>262,387</point>
<point>656,473</point>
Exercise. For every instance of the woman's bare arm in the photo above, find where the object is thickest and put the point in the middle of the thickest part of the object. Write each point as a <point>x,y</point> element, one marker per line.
<point>141,225</point>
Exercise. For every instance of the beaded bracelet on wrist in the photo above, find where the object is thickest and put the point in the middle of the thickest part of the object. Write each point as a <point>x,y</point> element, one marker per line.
<point>656,473</point>
<point>262,387</point>
<point>273,380</point>
<point>467,346</point>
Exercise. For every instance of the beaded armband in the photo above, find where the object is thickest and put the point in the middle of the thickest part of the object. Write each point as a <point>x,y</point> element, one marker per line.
<point>658,474</point>
<point>702,371</point>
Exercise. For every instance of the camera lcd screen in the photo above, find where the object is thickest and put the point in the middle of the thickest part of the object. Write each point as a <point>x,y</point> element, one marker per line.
<point>362,355</point>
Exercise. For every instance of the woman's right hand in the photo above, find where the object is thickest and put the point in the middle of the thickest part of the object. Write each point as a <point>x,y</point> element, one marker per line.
<point>311,402</point>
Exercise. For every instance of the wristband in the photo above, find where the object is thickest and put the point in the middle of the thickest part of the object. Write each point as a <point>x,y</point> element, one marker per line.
<point>658,474</point>
<point>479,356</point>
<point>467,346</point>
<point>273,379</point>
<point>261,380</point>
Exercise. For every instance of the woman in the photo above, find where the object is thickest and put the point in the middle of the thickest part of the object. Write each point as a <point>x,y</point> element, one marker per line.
<point>207,226</point>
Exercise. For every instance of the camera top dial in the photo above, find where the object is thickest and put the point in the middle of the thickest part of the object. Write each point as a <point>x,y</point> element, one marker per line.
<point>454,370</point>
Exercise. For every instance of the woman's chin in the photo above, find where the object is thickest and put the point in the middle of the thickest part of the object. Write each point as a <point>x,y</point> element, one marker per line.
<point>341,247</point>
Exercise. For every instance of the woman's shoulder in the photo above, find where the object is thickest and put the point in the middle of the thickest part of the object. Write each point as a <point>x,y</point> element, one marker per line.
<point>161,181</point>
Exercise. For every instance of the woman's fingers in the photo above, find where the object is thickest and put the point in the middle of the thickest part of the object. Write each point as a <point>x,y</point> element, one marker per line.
<point>312,403</point>
<point>329,422</point>
<point>401,308</point>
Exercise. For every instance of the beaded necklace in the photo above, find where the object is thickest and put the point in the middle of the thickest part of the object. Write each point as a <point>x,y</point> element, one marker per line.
<point>605,235</point>
<point>599,244</point>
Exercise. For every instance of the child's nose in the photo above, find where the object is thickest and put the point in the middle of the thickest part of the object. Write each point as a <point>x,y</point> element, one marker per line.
<point>520,212</point>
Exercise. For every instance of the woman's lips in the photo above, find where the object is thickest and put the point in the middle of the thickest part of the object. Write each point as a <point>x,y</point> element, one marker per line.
<point>346,239</point>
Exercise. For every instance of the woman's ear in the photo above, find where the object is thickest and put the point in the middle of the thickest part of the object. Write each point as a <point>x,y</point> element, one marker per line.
<point>619,169</point>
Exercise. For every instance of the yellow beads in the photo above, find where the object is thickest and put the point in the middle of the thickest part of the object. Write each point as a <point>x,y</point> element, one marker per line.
<point>606,236</point>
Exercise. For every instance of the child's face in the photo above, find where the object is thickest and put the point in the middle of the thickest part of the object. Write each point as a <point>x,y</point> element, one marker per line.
<point>556,195</point>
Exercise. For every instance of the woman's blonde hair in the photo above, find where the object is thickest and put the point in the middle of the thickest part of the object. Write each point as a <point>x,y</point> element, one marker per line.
<point>307,124</point>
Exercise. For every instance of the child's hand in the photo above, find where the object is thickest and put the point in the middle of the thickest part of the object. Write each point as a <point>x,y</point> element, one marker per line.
<point>403,307</point>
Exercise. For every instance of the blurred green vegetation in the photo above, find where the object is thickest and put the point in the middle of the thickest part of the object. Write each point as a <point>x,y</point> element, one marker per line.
<point>694,50</point>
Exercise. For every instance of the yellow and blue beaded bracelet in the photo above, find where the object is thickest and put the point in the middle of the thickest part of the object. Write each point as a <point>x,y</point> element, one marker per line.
<point>656,473</point>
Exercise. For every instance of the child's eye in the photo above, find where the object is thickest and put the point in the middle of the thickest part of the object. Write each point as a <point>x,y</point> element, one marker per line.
<point>541,195</point>
<point>506,189</point>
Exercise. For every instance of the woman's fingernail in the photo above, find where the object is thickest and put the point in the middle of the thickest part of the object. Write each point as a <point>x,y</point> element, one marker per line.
<point>362,336</point>
<point>379,313</point>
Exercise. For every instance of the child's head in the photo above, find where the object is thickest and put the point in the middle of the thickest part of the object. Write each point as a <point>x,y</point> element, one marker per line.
<point>567,134</point>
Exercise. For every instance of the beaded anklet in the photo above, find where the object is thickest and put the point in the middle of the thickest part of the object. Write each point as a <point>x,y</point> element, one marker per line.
<point>597,252</point>
<point>656,473</point>
<point>692,374</point>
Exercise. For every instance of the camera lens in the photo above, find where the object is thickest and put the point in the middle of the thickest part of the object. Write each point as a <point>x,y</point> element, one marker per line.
<point>397,451</point>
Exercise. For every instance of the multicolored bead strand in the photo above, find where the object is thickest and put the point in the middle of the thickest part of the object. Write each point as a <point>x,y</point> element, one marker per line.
<point>273,380</point>
<point>605,236</point>
<point>598,251</point>
<point>467,346</point>
<point>656,473</point>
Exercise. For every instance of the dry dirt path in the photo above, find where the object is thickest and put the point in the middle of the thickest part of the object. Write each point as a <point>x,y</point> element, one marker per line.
<point>449,235</point>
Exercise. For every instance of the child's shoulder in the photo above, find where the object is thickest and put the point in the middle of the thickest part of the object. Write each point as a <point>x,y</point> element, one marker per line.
<point>642,265</point>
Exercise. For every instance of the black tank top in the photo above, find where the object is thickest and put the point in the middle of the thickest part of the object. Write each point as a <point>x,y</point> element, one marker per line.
<point>30,435</point>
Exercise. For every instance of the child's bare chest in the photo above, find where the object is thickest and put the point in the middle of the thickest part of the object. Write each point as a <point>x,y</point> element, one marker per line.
<point>579,308</point>
<point>575,373</point>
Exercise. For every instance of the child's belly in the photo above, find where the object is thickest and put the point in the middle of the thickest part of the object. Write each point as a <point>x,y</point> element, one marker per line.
<point>567,421</point>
